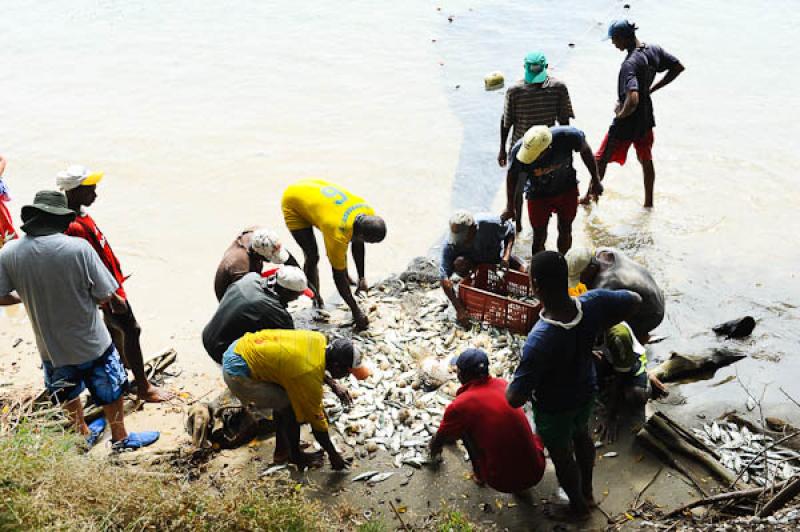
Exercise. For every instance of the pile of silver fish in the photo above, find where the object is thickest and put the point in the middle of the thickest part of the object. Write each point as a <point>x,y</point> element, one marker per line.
<point>739,448</point>
<point>412,337</point>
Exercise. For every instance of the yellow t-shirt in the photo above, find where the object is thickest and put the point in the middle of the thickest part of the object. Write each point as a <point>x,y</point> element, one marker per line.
<point>295,360</point>
<point>329,208</point>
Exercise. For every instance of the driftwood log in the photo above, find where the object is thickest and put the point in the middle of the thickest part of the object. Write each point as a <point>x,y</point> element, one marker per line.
<point>676,438</point>
<point>782,498</point>
<point>648,440</point>
<point>723,497</point>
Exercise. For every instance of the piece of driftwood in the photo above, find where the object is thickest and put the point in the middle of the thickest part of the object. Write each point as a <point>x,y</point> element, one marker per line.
<point>789,492</point>
<point>680,366</point>
<point>662,428</point>
<point>651,442</point>
<point>722,497</point>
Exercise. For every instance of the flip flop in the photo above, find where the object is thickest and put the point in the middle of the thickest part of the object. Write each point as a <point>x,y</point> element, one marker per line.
<point>135,440</point>
<point>96,429</point>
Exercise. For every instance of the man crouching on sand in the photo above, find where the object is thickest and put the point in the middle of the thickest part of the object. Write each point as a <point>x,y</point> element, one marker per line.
<point>503,450</point>
<point>283,371</point>
<point>557,374</point>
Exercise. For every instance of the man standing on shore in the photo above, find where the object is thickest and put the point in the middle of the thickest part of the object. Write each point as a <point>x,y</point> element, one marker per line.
<point>345,220</point>
<point>80,186</point>
<point>61,280</point>
<point>557,373</point>
<point>634,120</point>
<point>542,160</point>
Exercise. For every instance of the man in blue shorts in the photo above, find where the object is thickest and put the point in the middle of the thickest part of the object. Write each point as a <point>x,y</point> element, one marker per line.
<point>61,281</point>
<point>557,373</point>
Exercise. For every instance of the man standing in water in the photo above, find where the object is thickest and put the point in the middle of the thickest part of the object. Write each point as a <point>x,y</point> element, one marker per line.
<point>344,219</point>
<point>634,120</point>
<point>538,100</point>
<point>79,185</point>
<point>557,373</point>
<point>542,160</point>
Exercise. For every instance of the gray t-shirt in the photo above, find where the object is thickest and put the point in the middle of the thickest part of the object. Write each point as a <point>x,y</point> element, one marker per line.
<point>60,279</point>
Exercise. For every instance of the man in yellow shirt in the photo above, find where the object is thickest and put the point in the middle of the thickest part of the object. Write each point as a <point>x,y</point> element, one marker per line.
<point>283,370</point>
<point>343,219</point>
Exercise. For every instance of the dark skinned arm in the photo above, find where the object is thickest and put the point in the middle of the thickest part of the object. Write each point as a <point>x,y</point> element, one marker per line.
<point>511,190</point>
<point>324,440</point>
<point>507,247</point>
<point>668,78</point>
<point>357,250</point>
<point>514,399</point>
<point>595,189</point>
<point>343,286</point>
<point>502,156</point>
<point>338,390</point>
<point>9,299</point>
<point>461,310</point>
<point>629,105</point>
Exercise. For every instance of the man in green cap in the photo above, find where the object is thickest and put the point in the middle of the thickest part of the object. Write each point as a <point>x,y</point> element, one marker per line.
<point>538,100</point>
<point>61,281</point>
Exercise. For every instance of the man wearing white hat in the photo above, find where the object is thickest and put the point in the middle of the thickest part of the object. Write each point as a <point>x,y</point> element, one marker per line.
<point>253,247</point>
<point>80,186</point>
<point>254,303</point>
<point>543,158</point>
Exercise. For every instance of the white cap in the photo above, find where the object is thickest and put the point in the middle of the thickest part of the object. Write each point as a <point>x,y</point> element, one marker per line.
<point>76,175</point>
<point>266,243</point>
<point>577,261</point>
<point>460,222</point>
<point>292,278</point>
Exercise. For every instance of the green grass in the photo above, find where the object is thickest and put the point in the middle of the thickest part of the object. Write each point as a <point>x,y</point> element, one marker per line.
<point>453,521</point>
<point>47,482</point>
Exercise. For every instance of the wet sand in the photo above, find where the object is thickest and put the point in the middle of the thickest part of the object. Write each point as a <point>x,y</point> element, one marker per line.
<point>192,158</point>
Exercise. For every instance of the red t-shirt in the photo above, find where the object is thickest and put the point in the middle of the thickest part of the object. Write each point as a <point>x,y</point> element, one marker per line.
<point>507,455</point>
<point>84,227</point>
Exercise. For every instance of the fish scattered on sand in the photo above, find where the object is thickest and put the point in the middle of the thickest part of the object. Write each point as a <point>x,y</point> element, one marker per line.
<point>738,448</point>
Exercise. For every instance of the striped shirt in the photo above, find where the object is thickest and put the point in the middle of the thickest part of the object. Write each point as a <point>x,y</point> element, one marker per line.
<point>531,104</point>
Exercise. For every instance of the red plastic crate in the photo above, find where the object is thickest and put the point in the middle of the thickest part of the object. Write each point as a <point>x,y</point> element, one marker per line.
<point>485,294</point>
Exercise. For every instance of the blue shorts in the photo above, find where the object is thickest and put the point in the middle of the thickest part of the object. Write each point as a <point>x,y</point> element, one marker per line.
<point>105,378</point>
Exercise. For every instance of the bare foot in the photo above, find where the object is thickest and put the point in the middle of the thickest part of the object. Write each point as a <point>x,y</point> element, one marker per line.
<point>154,394</point>
<point>280,457</point>
<point>565,512</point>
<point>590,502</point>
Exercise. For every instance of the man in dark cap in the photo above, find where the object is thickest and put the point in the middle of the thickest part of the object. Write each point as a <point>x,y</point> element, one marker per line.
<point>283,371</point>
<point>634,120</point>
<point>557,373</point>
<point>503,450</point>
<point>61,281</point>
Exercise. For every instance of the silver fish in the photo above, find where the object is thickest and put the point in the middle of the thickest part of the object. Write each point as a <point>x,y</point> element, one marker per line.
<point>380,477</point>
<point>365,476</point>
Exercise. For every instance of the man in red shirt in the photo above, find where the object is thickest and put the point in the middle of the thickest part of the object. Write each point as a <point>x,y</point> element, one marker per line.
<point>503,450</point>
<point>79,185</point>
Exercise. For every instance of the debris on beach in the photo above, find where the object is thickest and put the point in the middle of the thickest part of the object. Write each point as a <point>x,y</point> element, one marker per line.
<point>756,457</point>
<point>412,337</point>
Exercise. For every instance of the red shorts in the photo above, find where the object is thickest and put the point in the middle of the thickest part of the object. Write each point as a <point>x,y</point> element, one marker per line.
<point>564,205</point>
<point>619,150</point>
<point>7,231</point>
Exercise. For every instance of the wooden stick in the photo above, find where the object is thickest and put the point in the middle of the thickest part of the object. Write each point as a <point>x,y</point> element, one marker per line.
<point>720,497</point>
<point>781,499</point>
<point>397,514</point>
<point>659,448</point>
<point>673,439</point>
<point>636,501</point>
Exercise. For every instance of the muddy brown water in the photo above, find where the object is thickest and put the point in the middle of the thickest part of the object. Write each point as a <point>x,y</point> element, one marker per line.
<point>200,113</point>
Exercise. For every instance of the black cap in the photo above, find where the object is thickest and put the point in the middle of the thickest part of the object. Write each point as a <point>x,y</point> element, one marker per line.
<point>472,361</point>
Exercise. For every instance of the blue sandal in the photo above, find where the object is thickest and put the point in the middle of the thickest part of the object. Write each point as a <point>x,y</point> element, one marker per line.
<point>135,440</point>
<point>96,429</point>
